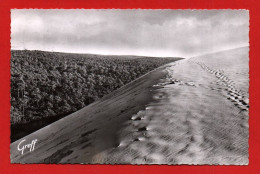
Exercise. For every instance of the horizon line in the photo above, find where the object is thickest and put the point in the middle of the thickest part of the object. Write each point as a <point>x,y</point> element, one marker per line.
<point>132,54</point>
<point>98,54</point>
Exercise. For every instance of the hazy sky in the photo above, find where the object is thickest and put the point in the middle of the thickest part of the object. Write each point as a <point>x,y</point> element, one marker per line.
<point>182,33</point>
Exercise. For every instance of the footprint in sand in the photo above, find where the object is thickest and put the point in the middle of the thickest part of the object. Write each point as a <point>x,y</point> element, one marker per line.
<point>231,92</point>
<point>191,84</point>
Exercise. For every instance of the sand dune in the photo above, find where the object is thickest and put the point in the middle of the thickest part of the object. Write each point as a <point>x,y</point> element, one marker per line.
<point>193,111</point>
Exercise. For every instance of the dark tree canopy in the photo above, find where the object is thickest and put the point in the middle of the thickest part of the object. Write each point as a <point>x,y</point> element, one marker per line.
<point>46,84</point>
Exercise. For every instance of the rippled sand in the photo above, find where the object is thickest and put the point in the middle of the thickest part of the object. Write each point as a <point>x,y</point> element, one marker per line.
<point>194,111</point>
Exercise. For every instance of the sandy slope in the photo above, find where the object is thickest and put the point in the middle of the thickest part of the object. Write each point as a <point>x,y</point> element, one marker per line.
<point>193,111</point>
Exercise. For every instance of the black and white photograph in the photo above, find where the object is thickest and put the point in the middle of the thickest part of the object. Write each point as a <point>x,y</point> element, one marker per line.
<point>129,86</point>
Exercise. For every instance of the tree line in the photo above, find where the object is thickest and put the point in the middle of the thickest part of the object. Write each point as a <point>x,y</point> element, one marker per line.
<point>51,84</point>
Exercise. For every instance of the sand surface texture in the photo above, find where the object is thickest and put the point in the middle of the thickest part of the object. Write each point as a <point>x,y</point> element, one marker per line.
<point>193,111</point>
